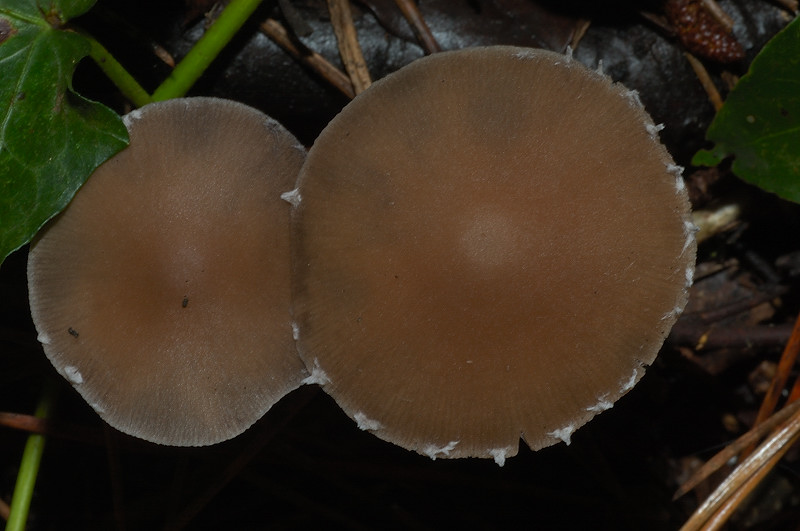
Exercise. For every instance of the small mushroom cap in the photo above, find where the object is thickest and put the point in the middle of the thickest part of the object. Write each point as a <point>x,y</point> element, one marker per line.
<point>490,243</point>
<point>162,292</point>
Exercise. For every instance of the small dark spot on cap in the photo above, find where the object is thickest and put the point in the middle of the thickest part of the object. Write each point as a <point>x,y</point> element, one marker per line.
<point>185,302</point>
<point>6,30</point>
<point>72,332</point>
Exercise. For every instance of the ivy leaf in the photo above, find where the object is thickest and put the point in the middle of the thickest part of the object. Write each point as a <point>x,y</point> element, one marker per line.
<point>51,138</point>
<point>759,124</point>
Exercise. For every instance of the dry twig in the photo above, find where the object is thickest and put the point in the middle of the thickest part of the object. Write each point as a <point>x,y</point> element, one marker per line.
<point>163,54</point>
<point>727,509</point>
<point>715,509</point>
<point>787,361</point>
<point>702,74</point>
<point>581,27</point>
<point>719,14</point>
<point>50,428</point>
<point>721,504</point>
<point>729,452</point>
<point>349,48</point>
<point>418,25</point>
<point>275,31</point>
<point>789,5</point>
<point>702,336</point>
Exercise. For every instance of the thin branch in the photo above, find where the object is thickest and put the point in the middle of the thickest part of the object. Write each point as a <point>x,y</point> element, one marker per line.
<point>161,52</point>
<point>349,48</point>
<point>732,450</point>
<point>419,27</point>
<point>702,336</point>
<point>50,428</point>
<point>720,218</point>
<point>789,5</point>
<point>767,454</point>
<point>764,294</point>
<point>581,27</point>
<point>338,79</point>
<point>794,394</point>
<point>787,361</point>
<point>726,510</point>
<point>719,14</point>
<point>705,80</point>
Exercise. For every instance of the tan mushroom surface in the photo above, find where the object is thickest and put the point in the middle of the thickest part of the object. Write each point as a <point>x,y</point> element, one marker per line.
<point>162,291</point>
<point>490,244</point>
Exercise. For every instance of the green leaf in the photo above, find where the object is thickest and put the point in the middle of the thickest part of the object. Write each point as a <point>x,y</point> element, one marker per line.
<point>51,138</point>
<point>705,158</point>
<point>759,124</point>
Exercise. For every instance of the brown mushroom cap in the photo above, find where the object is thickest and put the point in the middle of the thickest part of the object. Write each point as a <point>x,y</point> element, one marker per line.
<point>162,292</point>
<point>490,243</point>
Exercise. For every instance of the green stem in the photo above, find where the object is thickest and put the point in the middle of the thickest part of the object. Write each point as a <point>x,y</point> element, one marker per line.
<point>206,49</point>
<point>29,466</point>
<point>125,82</point>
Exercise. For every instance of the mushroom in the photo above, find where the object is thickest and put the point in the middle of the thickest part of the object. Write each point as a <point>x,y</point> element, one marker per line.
<point>491,244</point>
<point>162,291</point>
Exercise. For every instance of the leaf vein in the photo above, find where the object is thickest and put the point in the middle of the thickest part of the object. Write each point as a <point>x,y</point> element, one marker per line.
<point>17,90</point>
<point>777,134</point>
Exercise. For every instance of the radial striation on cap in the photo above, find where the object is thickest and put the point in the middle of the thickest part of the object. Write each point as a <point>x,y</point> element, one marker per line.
<point>162,292</point>
<point>490,244</point>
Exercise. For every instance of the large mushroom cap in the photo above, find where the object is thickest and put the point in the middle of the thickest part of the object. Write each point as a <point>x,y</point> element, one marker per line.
<point>491,243</point>
<point>162,292</point>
